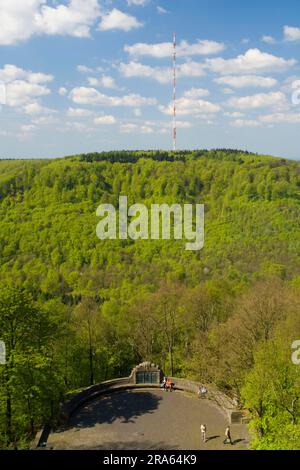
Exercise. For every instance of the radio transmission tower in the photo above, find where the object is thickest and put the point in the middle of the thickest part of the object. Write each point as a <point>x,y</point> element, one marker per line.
<point>174,92</point>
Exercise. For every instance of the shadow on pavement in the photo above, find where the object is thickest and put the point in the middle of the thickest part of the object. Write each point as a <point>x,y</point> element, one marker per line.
<point>125,407</point>
<point>211,438</point>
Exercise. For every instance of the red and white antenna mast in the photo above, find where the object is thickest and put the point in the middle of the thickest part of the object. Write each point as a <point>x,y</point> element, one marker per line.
<point>174,92</point>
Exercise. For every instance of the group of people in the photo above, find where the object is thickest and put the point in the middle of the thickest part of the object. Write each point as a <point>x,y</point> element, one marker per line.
<point>167,384</point>
<point>227,439</point>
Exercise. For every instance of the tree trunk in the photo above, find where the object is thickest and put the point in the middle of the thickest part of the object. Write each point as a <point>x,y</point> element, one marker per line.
<point>171,361</point>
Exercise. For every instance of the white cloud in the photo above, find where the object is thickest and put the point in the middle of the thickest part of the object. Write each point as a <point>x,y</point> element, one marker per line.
<point>74,19</point>
<point>140,3</point>
<point>20,92</point>
<point>190,69</point>
<point>235,114</point>
<point>23,87</point>
<point>90,96</point>
<point>18,20</point>
<point>165,49</point>
<point>161,74</point>
<point>261,100</point>
<point>245,123</point>
<point>161,10</point>
<point>182,124</point>
<point>21,20</point>
<point>188,106</point>
<point>268,39</point>
<point>105,81</point>
<point>28,128</point>
<point>36,108</point>
<point>84,69</point>
<point>78,112</point>
<point>196,93</point>
<point>137,112</point>
<point>62,91</point>
<point>281,118</point>
<point>253,61</point>
<point>44,120</point>
<point>78,126</point>
<point>116,19</point>
<point>131,128</point>
<point>105,120</point>
<point>246,81</point>
<point>146,130</point>
<point>136,69</point>
<point>227,91</point>
<point>291,33</point>
<point>11,72</point>
<point>128,128</point>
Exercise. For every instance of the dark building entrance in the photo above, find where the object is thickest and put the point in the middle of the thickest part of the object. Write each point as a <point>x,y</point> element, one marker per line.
<point>147,373</point>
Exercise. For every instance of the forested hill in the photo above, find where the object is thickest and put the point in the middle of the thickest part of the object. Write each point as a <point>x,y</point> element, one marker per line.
<point>88,310</point>
<point>48,218</point>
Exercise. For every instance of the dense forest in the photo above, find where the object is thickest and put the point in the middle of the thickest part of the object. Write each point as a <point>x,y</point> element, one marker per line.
<point>75,310</point>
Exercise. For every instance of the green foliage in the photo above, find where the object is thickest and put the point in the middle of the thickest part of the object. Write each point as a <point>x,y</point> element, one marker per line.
<point>85,310</point>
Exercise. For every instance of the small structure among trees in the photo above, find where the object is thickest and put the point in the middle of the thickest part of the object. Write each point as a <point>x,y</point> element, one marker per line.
<point>146,373</point>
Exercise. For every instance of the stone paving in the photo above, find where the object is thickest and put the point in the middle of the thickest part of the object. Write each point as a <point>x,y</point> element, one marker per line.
<point>147,419</point>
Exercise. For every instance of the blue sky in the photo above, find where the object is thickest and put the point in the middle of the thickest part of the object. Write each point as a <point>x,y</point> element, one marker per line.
<point>91,75</point>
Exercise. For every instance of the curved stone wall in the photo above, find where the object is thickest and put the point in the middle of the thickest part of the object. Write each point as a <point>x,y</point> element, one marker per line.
<point>75,401</point>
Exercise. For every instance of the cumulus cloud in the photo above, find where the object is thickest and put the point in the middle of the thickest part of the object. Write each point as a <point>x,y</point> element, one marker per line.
<point>268,119</point>
<point>194,107</point>
<point>91,96</point>
<point>243,81</point>
<point>78,112</point>
<point>268,39</point>
<point>21,20</point>
<point>132,128</point>
<point>20,92</point>
<point>36,108</point>
<point>62,91</point>
<point>128,128</point>
<point>28,128</point>
<point>116,19</point>
<point>105,81</point>
<point>105,120</point>
<point>11,72</point>
<point>260,100</point>
<point>235,114</point>
<point>245,123</point>
<point>139,3</point>
<point>253,61</point>
<point>196,93</point>
<point>291,34</point>
<point>281,118</point>
<point>161,74</point>
<point>24,87</point>
<point>184,49</point>
<point>84,69</point>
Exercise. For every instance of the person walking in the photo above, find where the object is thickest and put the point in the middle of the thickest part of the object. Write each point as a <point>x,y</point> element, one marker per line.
<point>203,432</point>
<point>228,439</point>
<point>202,391</point>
